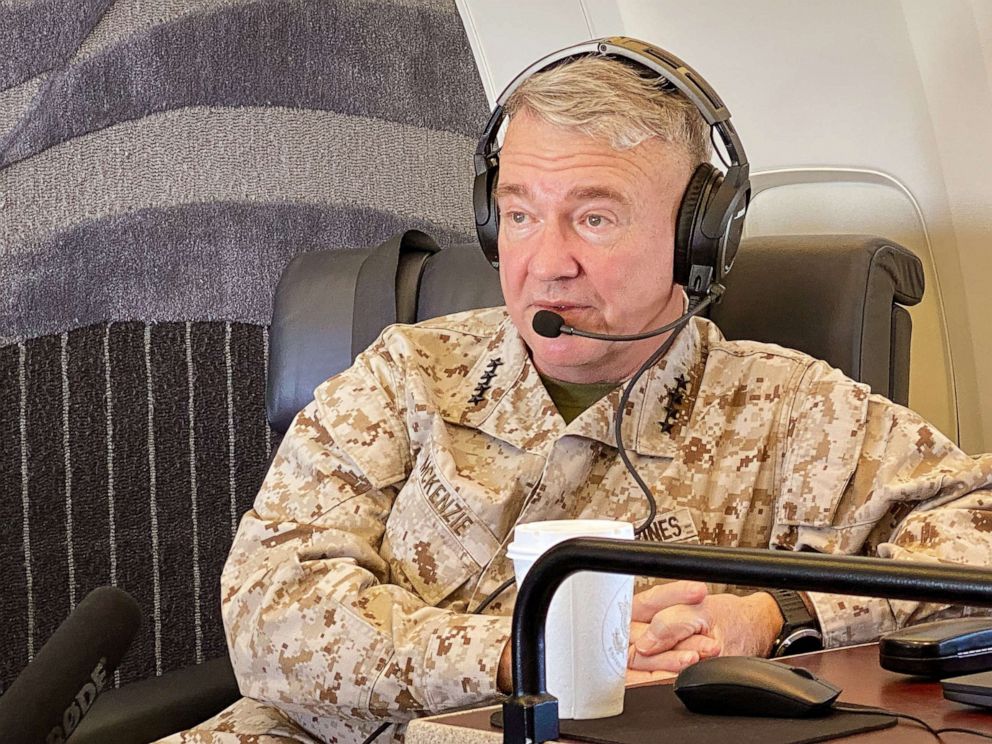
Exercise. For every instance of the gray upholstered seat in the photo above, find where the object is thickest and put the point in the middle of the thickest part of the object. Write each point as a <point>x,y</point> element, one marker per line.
<point>839,298</point>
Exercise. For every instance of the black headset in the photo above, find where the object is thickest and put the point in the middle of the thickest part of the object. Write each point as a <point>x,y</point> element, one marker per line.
<point>711,215</point>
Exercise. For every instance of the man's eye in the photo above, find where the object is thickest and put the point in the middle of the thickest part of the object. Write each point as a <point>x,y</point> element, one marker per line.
<point>518,218</point>
<point>595,220</point>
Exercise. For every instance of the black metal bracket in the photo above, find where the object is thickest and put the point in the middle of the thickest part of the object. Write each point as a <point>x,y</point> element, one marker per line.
<point>530,715</point>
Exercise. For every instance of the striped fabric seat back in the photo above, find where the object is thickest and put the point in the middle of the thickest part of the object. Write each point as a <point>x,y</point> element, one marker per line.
<point>159,164</point>
<point>133,450</point>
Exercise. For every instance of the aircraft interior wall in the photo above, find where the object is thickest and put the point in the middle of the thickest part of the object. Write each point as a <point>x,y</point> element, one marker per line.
<point>858,117</point>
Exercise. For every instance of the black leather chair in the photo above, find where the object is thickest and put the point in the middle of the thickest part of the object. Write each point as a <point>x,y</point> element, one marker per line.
<point>840,298</point>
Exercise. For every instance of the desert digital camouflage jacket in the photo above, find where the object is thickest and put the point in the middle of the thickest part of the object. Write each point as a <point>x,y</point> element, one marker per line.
<point>385,517</point>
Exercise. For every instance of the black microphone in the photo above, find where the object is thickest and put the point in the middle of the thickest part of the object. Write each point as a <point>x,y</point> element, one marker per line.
<point>548,324</point>
<point>551,325</point>
<point>50,697</point>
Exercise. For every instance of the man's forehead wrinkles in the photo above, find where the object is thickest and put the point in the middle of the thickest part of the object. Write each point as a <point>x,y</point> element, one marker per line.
<point>525,171</point>
<point>626,167</point>
<point>581,192</point>
<point>564,159</point>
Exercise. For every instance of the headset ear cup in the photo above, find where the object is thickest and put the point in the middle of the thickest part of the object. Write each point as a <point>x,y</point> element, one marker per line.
<point>734,232</point>
<point>688,220</point>
<point>487,214</point>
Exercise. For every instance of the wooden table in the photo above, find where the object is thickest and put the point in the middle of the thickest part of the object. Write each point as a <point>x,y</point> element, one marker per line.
<point>854,669</point>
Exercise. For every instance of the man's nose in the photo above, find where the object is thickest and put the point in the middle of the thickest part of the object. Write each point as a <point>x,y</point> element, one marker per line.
<point>554,255</point>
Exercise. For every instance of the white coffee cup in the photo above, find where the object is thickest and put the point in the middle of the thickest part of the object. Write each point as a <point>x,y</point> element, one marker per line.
<point>588,624</point>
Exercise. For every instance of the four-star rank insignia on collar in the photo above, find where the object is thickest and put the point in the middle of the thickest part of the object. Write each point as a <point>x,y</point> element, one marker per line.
<point>677,396</point>
<point>485,381</point>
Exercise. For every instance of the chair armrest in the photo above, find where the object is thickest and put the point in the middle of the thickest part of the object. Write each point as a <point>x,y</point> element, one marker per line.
<point>145,711</point>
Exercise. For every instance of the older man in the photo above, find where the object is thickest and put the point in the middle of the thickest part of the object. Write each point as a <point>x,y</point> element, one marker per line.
<point>351,591</point>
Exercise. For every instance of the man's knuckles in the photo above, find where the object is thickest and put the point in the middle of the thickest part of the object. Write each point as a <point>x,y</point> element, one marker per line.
<point>663,634</point>
<point>651,601</point>
<point>704,645</point>
<point>636,631</point>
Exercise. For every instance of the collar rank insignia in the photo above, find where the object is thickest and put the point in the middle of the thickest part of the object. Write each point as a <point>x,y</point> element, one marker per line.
<point>677,395</point>
<point>485,381</point>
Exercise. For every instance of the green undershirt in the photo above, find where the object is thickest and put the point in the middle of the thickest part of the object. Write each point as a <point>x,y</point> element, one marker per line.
<point>572,398</point>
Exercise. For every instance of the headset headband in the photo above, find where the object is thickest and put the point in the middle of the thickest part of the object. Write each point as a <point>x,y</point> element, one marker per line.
<point>689,82</point>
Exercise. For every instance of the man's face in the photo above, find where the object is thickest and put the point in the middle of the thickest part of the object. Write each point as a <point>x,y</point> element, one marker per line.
<point>587,232</point>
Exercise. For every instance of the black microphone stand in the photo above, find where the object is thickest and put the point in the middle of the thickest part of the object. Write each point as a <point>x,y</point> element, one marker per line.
<point>530,716</point>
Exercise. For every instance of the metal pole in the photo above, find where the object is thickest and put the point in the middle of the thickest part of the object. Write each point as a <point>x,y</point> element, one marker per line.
<point>530,716</point>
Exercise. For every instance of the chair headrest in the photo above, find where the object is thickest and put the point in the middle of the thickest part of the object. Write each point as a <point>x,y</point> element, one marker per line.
<point>830,296</point>
<point>328,307</point>
<point>455,279</point>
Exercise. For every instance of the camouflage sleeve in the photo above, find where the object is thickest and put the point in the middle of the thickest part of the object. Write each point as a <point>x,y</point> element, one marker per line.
<point>862,475</point>
<point>313,623</point>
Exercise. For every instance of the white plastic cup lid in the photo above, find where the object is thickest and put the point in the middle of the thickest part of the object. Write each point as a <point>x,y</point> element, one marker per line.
<point>532,539</point>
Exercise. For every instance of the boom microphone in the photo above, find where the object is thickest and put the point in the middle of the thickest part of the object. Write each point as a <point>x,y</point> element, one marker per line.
<point>551,325</point>
<point>548,324</point>
<point>50,697</point>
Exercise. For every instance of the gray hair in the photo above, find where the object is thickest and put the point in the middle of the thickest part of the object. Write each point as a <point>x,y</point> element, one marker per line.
<point>611,100</point>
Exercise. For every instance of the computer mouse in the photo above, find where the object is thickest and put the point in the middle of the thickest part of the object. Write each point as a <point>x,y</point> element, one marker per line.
<point>749,686</point>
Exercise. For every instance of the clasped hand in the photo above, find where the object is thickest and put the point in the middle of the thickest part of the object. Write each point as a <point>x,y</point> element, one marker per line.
<point>675,625</point>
